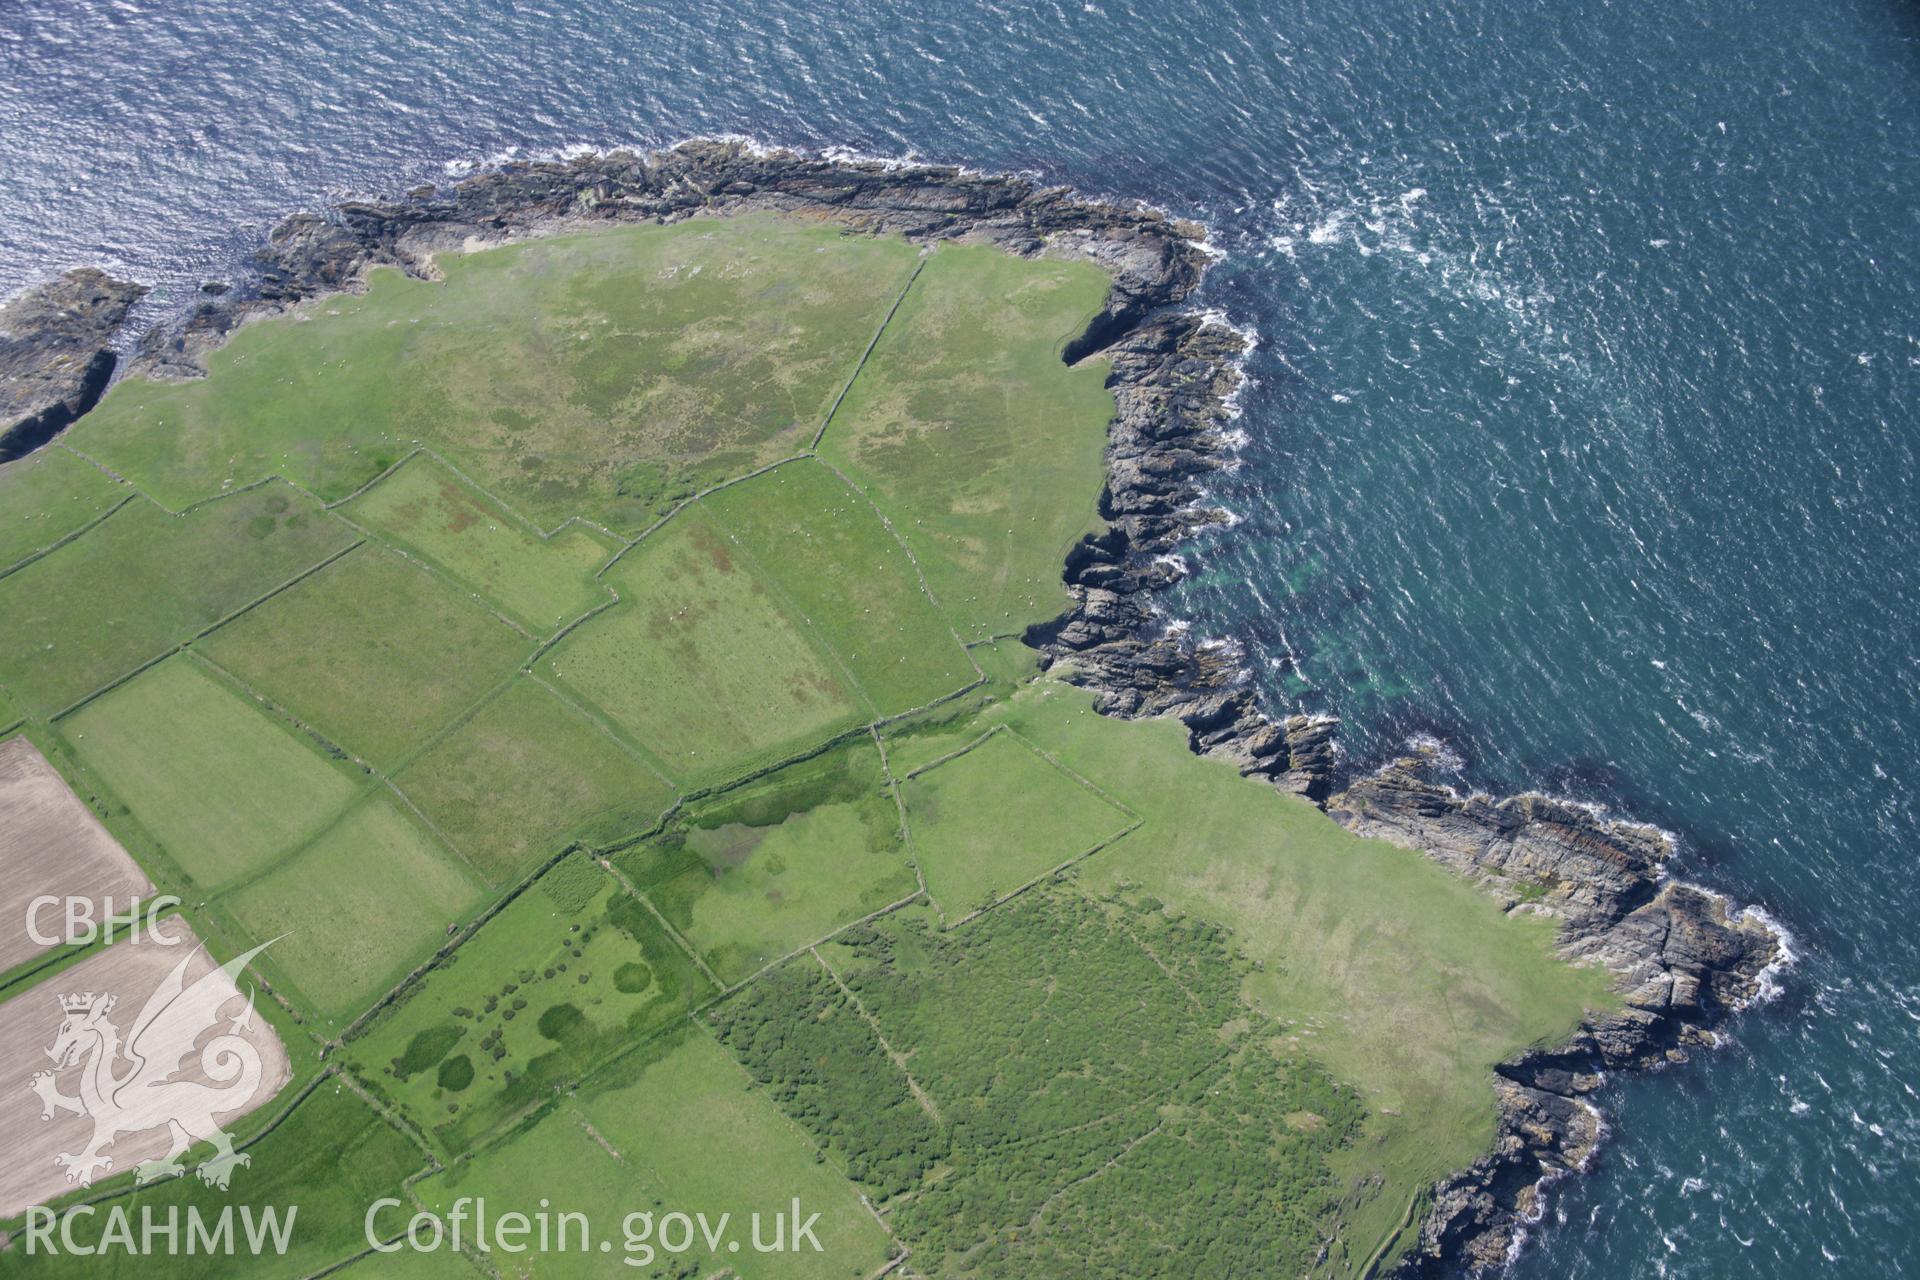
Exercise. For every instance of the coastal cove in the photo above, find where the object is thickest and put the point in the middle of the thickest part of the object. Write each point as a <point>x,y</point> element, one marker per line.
<point>1680,958</point>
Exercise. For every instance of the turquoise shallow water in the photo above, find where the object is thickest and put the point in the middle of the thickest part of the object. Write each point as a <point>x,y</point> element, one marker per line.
<point>1583,434</point>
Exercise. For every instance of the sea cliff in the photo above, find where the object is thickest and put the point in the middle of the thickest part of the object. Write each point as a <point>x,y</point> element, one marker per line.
<point>1683,959</point>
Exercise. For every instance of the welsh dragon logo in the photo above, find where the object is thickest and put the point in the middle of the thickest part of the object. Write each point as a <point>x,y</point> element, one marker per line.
<point>129,1087</point>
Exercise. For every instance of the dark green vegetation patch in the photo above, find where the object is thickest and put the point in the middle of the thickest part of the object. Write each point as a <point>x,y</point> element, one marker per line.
<point>540,995</point>
<point>1078,1090</point>
<point>780,862</point>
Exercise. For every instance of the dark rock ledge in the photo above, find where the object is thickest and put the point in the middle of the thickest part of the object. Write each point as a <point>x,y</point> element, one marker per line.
<point>54,354</point>
<point>1682,958</point>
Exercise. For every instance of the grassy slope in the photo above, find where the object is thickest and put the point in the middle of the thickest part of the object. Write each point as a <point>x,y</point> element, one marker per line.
<point>49,496</point>
<point>539,582</point>
<point>602,375</point>
<point>226,788</point>
<point>982,447</point>
<point>525,774</point>
<point>151,582</point>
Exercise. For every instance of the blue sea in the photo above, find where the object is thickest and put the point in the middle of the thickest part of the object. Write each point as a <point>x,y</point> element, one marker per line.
<point>1583,435</point>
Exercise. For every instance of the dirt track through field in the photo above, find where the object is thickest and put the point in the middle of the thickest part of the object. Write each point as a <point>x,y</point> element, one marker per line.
<point>51,844</point>
<point>130,972</point>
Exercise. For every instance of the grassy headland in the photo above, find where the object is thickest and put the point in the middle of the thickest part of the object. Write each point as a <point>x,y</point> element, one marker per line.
<point>646,694</point>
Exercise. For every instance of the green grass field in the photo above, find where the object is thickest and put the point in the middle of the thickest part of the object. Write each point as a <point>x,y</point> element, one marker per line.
<point>567,975</point>
<point>375,653</point>
<point>605,375</point>
<point>1401,977</point>
<point>48,496</point>
<point>675,1128</point>
<point>224,785</point>
<point>775,865</point>
<point>151,581</point>
<point>526,774</point>
<point>332,1157</point>
<point>980,445</point>
<point>992,819</point>
<point>541,583</point>
<point>700,664</point>
<point>358,907</point>
<point>825,549</point>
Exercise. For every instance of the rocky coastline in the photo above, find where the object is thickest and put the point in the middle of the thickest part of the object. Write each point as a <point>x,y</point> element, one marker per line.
<point>1682,957</point>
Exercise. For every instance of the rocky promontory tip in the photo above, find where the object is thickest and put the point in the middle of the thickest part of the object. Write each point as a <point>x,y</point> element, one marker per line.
<point>1682,958</point>
<point>55,357</point>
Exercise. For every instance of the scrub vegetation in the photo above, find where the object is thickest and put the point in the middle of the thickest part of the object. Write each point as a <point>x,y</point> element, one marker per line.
<point>636,827</point>
<point>1076,1088</point>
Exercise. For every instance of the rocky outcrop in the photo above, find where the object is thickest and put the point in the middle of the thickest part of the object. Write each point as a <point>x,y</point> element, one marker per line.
<point>1683,960</point>
<point>1173,379</point>
<point>55,357</point>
